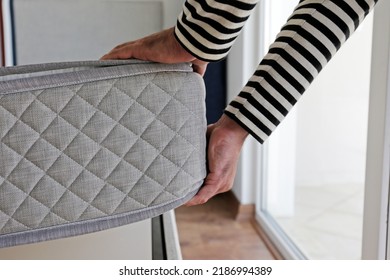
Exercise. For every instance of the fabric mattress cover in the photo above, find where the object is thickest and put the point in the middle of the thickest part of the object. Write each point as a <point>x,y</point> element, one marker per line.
<point>87,146</point>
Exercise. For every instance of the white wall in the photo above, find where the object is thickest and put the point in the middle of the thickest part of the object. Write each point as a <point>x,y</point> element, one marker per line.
<point>59,30</point>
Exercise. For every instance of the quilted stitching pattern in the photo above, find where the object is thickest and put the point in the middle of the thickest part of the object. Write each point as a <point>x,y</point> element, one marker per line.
<point>101,148</point>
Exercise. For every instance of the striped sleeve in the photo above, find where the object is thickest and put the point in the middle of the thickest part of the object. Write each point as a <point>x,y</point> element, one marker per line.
<point>310,38</point>
<point>208,28</point>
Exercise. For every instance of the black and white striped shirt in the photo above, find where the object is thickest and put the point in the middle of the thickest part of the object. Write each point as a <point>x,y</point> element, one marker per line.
<point>306,43</point>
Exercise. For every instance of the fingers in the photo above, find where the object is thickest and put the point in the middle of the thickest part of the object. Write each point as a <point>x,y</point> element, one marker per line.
<point>123,51</point>
<point>210,188</point>
<point>114,55</point>
<point>201,197</point>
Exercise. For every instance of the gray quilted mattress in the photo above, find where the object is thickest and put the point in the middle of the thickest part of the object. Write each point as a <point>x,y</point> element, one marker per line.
<point>87,146</point>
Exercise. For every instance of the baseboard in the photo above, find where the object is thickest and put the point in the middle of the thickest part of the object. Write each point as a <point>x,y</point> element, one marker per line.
<point>246,212</point>
<point>240,212</point>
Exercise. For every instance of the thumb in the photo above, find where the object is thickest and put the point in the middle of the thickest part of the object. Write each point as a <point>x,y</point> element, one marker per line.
<point>199,66</point>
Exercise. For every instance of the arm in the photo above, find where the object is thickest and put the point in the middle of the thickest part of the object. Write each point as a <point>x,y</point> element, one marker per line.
<point>306,43</point>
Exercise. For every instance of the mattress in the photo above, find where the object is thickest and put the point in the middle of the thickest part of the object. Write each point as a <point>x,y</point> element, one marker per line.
<point>87,146</point>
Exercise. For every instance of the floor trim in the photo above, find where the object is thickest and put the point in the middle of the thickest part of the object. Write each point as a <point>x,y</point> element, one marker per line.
<point>240,212</point>
<point>246,212</point>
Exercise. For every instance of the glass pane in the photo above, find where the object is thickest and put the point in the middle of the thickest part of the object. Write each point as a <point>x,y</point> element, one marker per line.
<point>315,163</point>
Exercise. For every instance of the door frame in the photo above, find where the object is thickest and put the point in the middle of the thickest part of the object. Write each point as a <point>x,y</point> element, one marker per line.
<point>376,240</point>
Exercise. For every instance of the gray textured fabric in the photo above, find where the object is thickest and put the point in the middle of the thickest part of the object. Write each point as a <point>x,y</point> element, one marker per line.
<point>87,146</point>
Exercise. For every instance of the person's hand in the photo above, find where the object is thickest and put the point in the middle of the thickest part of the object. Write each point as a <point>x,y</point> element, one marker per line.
<point>225,140</point>
<point>159,47</point>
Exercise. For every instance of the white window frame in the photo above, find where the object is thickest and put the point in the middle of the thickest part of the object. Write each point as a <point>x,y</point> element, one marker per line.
<point>376,240</point>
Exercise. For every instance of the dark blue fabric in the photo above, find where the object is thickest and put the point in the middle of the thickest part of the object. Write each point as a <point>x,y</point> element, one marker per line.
<point>215,80</point>
<point>12,18</point>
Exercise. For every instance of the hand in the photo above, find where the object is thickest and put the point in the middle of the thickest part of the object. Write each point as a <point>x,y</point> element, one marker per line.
<point>225,140</point>
<point>159,47</point>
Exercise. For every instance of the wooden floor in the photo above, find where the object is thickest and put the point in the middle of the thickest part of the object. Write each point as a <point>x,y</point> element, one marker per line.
<point>209,232</point>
